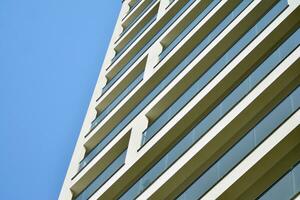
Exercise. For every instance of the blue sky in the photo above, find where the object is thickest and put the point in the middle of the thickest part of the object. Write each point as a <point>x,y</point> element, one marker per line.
<point>51,52</point>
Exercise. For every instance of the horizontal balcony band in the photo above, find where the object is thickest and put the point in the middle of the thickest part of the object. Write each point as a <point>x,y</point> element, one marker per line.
<point>109,171</point>
<point>199,18</point>
<point>102,101</point>
<point>217,113</point>
<point>241,149</point>
<point>125,38</point>
<point>194,53</point>
<point>287,187</point>
<point>258,51</point>
<point>117,100</point>
<point>102,160</point>
<point>131,41</point>
<point>152,86</point>
<point>174,72</point>
<point>140,26</point>
<point>141,46</point>
<point>213,142</point>
<point>211,72</point>
<point>114,187</point>
<point>139,17</point>
<point>159,88</point>
<point>273,157</point>
<point>261,103</point>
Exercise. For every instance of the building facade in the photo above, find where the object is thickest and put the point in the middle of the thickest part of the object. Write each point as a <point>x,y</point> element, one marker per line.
<point>196,99</point>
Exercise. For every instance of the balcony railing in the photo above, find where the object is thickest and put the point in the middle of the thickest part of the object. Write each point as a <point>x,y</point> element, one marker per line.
<point>137,109</point>
<point>287,187</point>
<point>131,7</point>
<point>203,80</point>
<point>213,117</point>
<point>188,29</point>
<point>131,41</point>
<point>104,142</point>
<point>137,18</point>
<point>147,45</point>
<point>242,148</point>
<point>103,177</point>
<point>117,100</point>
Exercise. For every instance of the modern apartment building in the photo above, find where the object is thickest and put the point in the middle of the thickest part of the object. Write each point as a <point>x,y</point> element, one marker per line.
<point>196,99</point>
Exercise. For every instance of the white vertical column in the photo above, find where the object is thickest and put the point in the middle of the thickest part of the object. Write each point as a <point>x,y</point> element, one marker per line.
<point>139,125</point>
<point>126,8</point>
<point>162,8</point>
<point>152,59</point>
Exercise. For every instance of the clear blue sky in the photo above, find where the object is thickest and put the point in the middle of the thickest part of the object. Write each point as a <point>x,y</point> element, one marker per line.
<point>51,52</point>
